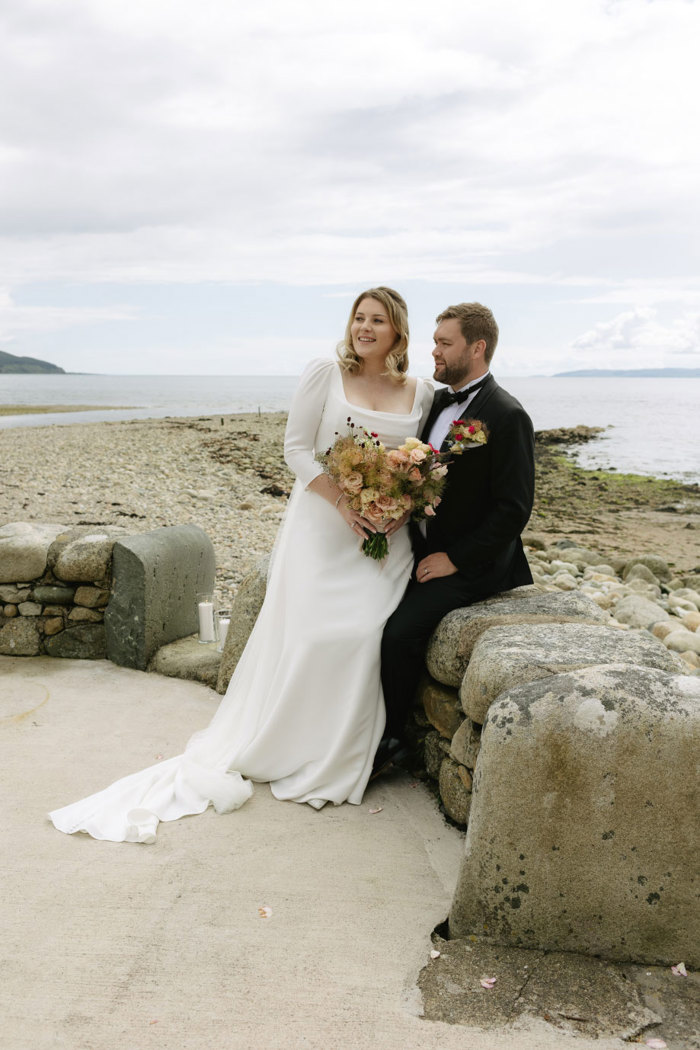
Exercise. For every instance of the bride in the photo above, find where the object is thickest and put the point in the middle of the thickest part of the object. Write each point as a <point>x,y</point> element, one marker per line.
<point>304,710</point>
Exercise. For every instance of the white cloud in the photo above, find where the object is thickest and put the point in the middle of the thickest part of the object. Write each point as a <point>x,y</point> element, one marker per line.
<point>504,144</point>
<point>638,339</point>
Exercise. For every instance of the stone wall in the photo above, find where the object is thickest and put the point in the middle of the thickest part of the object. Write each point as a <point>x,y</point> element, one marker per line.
<point>61,594</point>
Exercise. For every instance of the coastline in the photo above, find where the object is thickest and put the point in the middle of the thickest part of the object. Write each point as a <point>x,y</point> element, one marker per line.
<point>227,475</point>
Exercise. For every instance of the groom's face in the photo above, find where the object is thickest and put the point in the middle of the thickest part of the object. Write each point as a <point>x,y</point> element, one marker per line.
<point>456,361</point>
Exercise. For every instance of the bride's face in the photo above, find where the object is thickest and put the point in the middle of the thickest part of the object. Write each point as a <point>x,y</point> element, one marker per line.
<point>372,333</point>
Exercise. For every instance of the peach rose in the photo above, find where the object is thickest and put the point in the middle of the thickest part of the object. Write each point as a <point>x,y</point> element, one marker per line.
<point>351,482</point>
<point>397,458</point>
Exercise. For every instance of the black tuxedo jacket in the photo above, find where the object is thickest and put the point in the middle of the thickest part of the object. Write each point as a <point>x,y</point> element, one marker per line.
<point>488,496</point>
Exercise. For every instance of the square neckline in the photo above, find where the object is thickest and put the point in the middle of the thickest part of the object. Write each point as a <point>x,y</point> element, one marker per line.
<point>375,411</point>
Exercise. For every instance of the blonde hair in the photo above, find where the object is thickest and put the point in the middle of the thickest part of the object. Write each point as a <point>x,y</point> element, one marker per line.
<point>397,358</point>
<point>476,322</point>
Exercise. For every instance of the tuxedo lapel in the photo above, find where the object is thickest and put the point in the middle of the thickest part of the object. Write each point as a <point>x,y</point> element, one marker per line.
<point>482,397</point>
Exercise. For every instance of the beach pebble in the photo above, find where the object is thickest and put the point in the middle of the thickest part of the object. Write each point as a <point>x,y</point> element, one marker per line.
<point>689,595</point>
<point>564,566</point>
<point>638,611</point>
<point>600,572</point>
<point>565,581</point>
<point>640,572</point>
<point>657,565</point>
<point>660,630</point>
<point>681,605</point>
<point>681,641</point>
<point>691,621</point>
<point>638,586</point>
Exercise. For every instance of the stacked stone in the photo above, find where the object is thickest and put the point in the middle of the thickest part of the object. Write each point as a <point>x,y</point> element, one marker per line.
<point>588,604</point>
<point>54,587</point>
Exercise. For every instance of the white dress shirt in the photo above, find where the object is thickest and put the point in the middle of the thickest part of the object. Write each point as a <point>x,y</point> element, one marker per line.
<point>438,431</point>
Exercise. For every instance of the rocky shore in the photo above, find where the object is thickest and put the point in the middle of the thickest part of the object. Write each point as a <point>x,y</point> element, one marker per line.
<point>227,475</point>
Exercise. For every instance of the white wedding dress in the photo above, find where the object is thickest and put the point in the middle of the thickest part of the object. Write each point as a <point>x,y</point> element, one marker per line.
<point>304,709</point>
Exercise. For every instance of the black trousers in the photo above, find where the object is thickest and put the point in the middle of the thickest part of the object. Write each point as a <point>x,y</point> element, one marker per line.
<point>406,636</point>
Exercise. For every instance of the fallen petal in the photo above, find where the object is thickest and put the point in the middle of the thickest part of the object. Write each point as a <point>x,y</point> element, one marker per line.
<point>679,970</point>
<point>487,982</point>
<point>657,1044</point>
<point>158,757</point>
<point>377,810</point>
<point>265,912</point>
<point>435,954</point>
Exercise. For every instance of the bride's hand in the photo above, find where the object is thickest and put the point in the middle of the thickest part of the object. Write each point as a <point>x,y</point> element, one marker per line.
<point>394,526</point>
<point>359,525</point>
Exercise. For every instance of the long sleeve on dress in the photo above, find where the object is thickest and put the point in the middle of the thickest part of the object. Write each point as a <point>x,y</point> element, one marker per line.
<point>304,417</point>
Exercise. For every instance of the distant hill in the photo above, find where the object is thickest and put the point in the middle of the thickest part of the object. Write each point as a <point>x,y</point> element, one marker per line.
<point>632,373</point>
<point>11,364</point>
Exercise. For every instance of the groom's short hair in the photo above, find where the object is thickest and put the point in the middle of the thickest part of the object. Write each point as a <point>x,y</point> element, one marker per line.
<point>476,322</point>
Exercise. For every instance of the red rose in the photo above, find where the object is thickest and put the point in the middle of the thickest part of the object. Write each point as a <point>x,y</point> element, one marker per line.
<point>472,430</point>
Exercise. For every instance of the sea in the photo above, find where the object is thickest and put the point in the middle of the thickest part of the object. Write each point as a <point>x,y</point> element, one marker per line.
<point>652,425</point>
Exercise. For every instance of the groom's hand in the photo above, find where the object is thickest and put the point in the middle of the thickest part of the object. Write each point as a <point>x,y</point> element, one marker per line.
<point>433,567</point>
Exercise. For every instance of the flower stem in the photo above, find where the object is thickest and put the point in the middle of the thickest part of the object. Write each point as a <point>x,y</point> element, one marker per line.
<point>376,546</point>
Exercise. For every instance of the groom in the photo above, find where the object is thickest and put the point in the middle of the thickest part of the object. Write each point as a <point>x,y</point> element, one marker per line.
<point>471,549</point>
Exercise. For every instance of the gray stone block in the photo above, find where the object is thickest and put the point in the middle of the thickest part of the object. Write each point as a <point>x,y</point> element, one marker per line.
<point>504,657</point>
<point>20,637</point>
<point>187,658</point>
<point>84,642</point>
<point>453,639</point>
<point>24,548</point>
<point>583,829</point>
<point>156,578</point>
<point>244,612</point>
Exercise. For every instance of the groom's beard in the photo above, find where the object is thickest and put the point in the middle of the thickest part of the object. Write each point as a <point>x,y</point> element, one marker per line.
<point>456,375</point>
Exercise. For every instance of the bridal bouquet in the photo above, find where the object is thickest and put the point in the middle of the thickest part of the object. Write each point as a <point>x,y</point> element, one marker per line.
<point>383,484</point>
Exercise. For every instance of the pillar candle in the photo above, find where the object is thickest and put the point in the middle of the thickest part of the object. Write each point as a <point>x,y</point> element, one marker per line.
<point>206,622</point>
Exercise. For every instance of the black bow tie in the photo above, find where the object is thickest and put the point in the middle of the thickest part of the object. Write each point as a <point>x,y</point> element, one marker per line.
<point>447,397</point>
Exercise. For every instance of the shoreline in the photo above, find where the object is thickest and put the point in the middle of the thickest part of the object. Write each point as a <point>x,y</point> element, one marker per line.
<point>35,410</point>
<point>226,474</point>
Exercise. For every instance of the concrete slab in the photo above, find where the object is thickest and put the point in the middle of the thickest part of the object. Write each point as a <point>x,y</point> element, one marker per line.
<point>124,947</point>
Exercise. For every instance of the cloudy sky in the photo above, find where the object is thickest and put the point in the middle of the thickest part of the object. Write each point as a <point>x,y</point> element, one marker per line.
<point>203,187</point>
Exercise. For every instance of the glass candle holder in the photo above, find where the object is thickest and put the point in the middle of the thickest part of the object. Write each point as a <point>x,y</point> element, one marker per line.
<point>223,622</point>
<point>206,618</point>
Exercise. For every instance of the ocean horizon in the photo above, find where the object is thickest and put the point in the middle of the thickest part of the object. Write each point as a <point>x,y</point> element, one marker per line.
<point>652,424</point>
